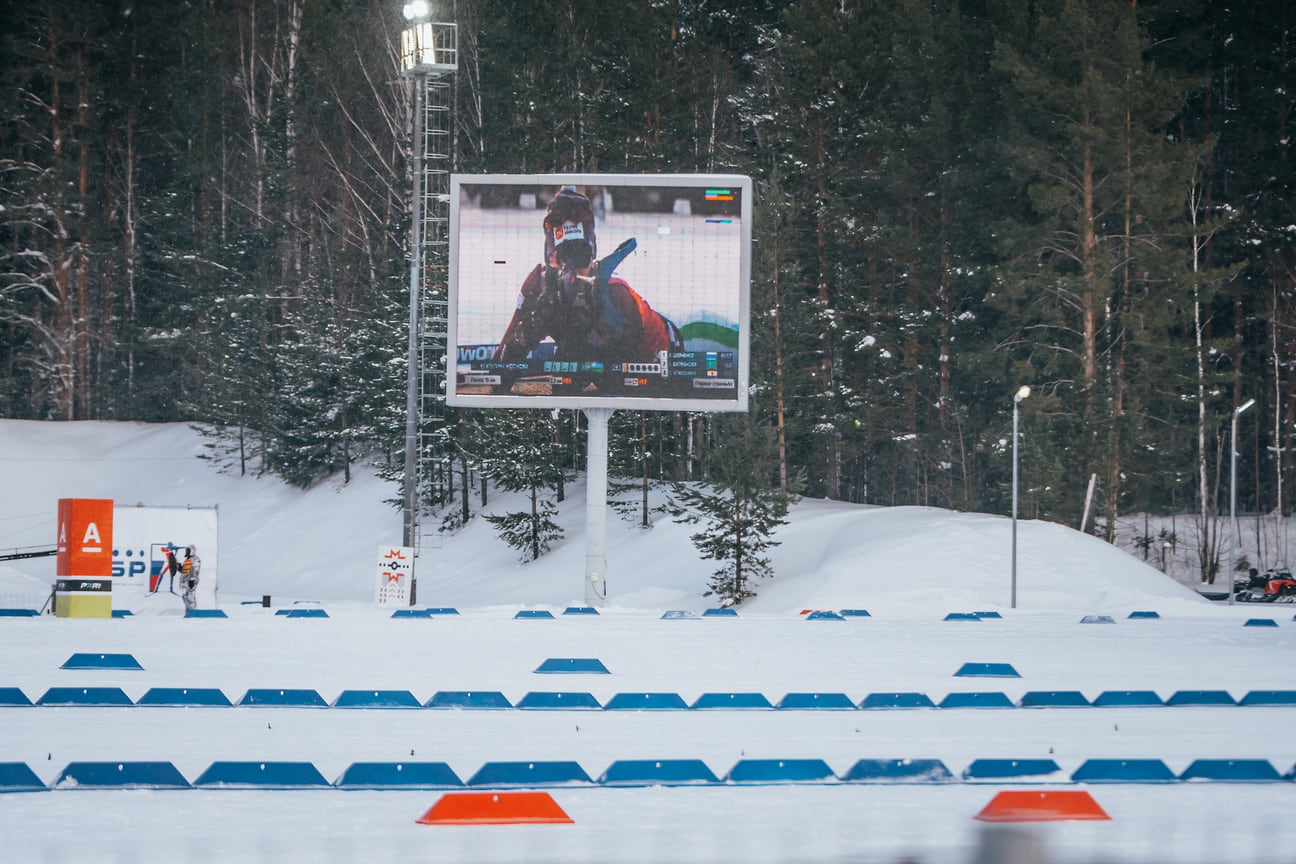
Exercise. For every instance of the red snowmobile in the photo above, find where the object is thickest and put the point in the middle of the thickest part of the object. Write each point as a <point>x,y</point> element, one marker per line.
<point>1272,586</point>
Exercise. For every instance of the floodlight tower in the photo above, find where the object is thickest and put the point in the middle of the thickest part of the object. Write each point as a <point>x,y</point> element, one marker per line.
<point>429,56</point>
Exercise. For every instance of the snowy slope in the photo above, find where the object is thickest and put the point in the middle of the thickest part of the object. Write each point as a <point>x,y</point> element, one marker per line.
<point>321,544</point>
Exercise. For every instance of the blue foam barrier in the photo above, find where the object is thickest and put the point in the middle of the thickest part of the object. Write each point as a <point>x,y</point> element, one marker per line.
<point>897,700</point>
<point>488,699</point>
<point>529,774</point>
<point>205,613</point>
<point>820,615</point>
<point>1054,699</point>
<point>1201,697</point>
<point>855,613</point>
<point>412,613</point>
<point>1232,771</point>
<point>992,699</point>
<point>1016,770</point>
<point>822,701</point>
<point>1269,697</point>
<point>646,702</point>
<point>987,614</point>
<point>673,614</point>
<point>720,613</point>
<point>756,771</point>
<point>572,665</point>
<point>898,771</point>
<point>101,661</point>
<point>17,777</point>
<point>731,700</point>
<point>398,775</point>
<point>1097,619</point>
<point>1123,771</point>
<point>303,613</point>
<point>580,610</point>
<point>265,775</point>
<point>122,613</point>
<point>376,699</point>
<point>550,701</point>
<point>1127,699</point>
<point>533,613</point>
<point>10,696</point>
<point>1143,613</point>
<point>962,616</point>
<point>96,696</point>
<point>1260,622</point>
<point>443,610</point>
<point>657,772</point>
<point>261,697</point>
<point>127,775</point>
<point>19,613</point>
<point>175,696</point>
<point>986,670</point>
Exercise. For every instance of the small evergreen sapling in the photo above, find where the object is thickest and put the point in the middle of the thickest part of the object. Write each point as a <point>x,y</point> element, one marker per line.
<point>739,506</point>
<point>521,456</point>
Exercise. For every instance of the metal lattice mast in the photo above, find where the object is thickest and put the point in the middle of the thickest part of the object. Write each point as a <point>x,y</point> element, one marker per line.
<point>429,55</point>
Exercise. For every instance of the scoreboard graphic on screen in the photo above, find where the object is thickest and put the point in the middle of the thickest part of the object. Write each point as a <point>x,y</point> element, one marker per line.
<point>611,290</point>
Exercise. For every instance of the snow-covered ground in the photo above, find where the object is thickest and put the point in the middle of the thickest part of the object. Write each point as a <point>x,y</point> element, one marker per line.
<point>909,567</point>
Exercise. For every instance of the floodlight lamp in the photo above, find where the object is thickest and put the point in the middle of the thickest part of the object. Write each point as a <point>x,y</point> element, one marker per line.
<point>1022,392</point>
<point>416,10</point>
<point>1244,406</point>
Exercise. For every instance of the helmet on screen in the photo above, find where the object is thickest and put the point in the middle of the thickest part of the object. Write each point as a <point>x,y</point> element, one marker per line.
<point>569,230</point>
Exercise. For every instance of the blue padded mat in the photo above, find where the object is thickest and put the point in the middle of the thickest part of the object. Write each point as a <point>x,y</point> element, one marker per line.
<point>898,771</point>
<point>398,775</point>
<point>659,772</point>
<point>173,696</point>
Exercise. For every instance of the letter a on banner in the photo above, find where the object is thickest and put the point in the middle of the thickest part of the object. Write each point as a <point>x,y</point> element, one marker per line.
<point>395,575</point>
<point>85,537</point>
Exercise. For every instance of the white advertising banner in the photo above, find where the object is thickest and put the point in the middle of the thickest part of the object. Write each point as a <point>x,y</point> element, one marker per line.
<point>395,576</point>
<point>164,558</point>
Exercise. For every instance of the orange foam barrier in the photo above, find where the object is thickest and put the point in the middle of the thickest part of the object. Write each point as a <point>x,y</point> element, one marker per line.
<point>494,808</point>
<point>1042,806</point>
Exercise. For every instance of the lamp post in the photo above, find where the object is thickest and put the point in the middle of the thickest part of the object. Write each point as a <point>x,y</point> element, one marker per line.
<point>1233,544</point>
<point>1022,392</point>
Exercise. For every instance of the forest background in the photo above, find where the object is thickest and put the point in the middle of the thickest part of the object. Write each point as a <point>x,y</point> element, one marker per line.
<point>204,218</point>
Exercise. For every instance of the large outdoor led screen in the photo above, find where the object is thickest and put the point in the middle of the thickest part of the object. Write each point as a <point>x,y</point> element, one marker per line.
<point>621,291</point>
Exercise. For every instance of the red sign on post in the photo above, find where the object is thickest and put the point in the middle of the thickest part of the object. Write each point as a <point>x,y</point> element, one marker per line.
<point>85,537</point>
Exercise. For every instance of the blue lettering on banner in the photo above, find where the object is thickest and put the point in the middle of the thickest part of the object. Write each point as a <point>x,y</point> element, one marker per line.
<point>128,563</point>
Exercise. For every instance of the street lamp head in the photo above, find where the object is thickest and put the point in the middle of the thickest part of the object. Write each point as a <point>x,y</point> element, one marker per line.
<point>1022,392</point>
<point>416,10</point>
<point>1244,406</point>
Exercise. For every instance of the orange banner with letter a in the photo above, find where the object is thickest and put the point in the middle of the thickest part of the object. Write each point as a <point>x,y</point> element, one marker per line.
<point>85,537</point>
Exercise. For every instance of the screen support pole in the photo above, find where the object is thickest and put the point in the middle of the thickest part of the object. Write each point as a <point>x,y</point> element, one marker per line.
<point>596,505</point>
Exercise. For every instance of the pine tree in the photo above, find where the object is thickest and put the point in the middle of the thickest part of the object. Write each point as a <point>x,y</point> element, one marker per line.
<point>740,505</point>
<point>1101,185</point>
<point>520,456</point>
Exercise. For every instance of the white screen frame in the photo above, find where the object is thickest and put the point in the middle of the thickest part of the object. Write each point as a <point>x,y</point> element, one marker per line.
<point>691,183</point>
